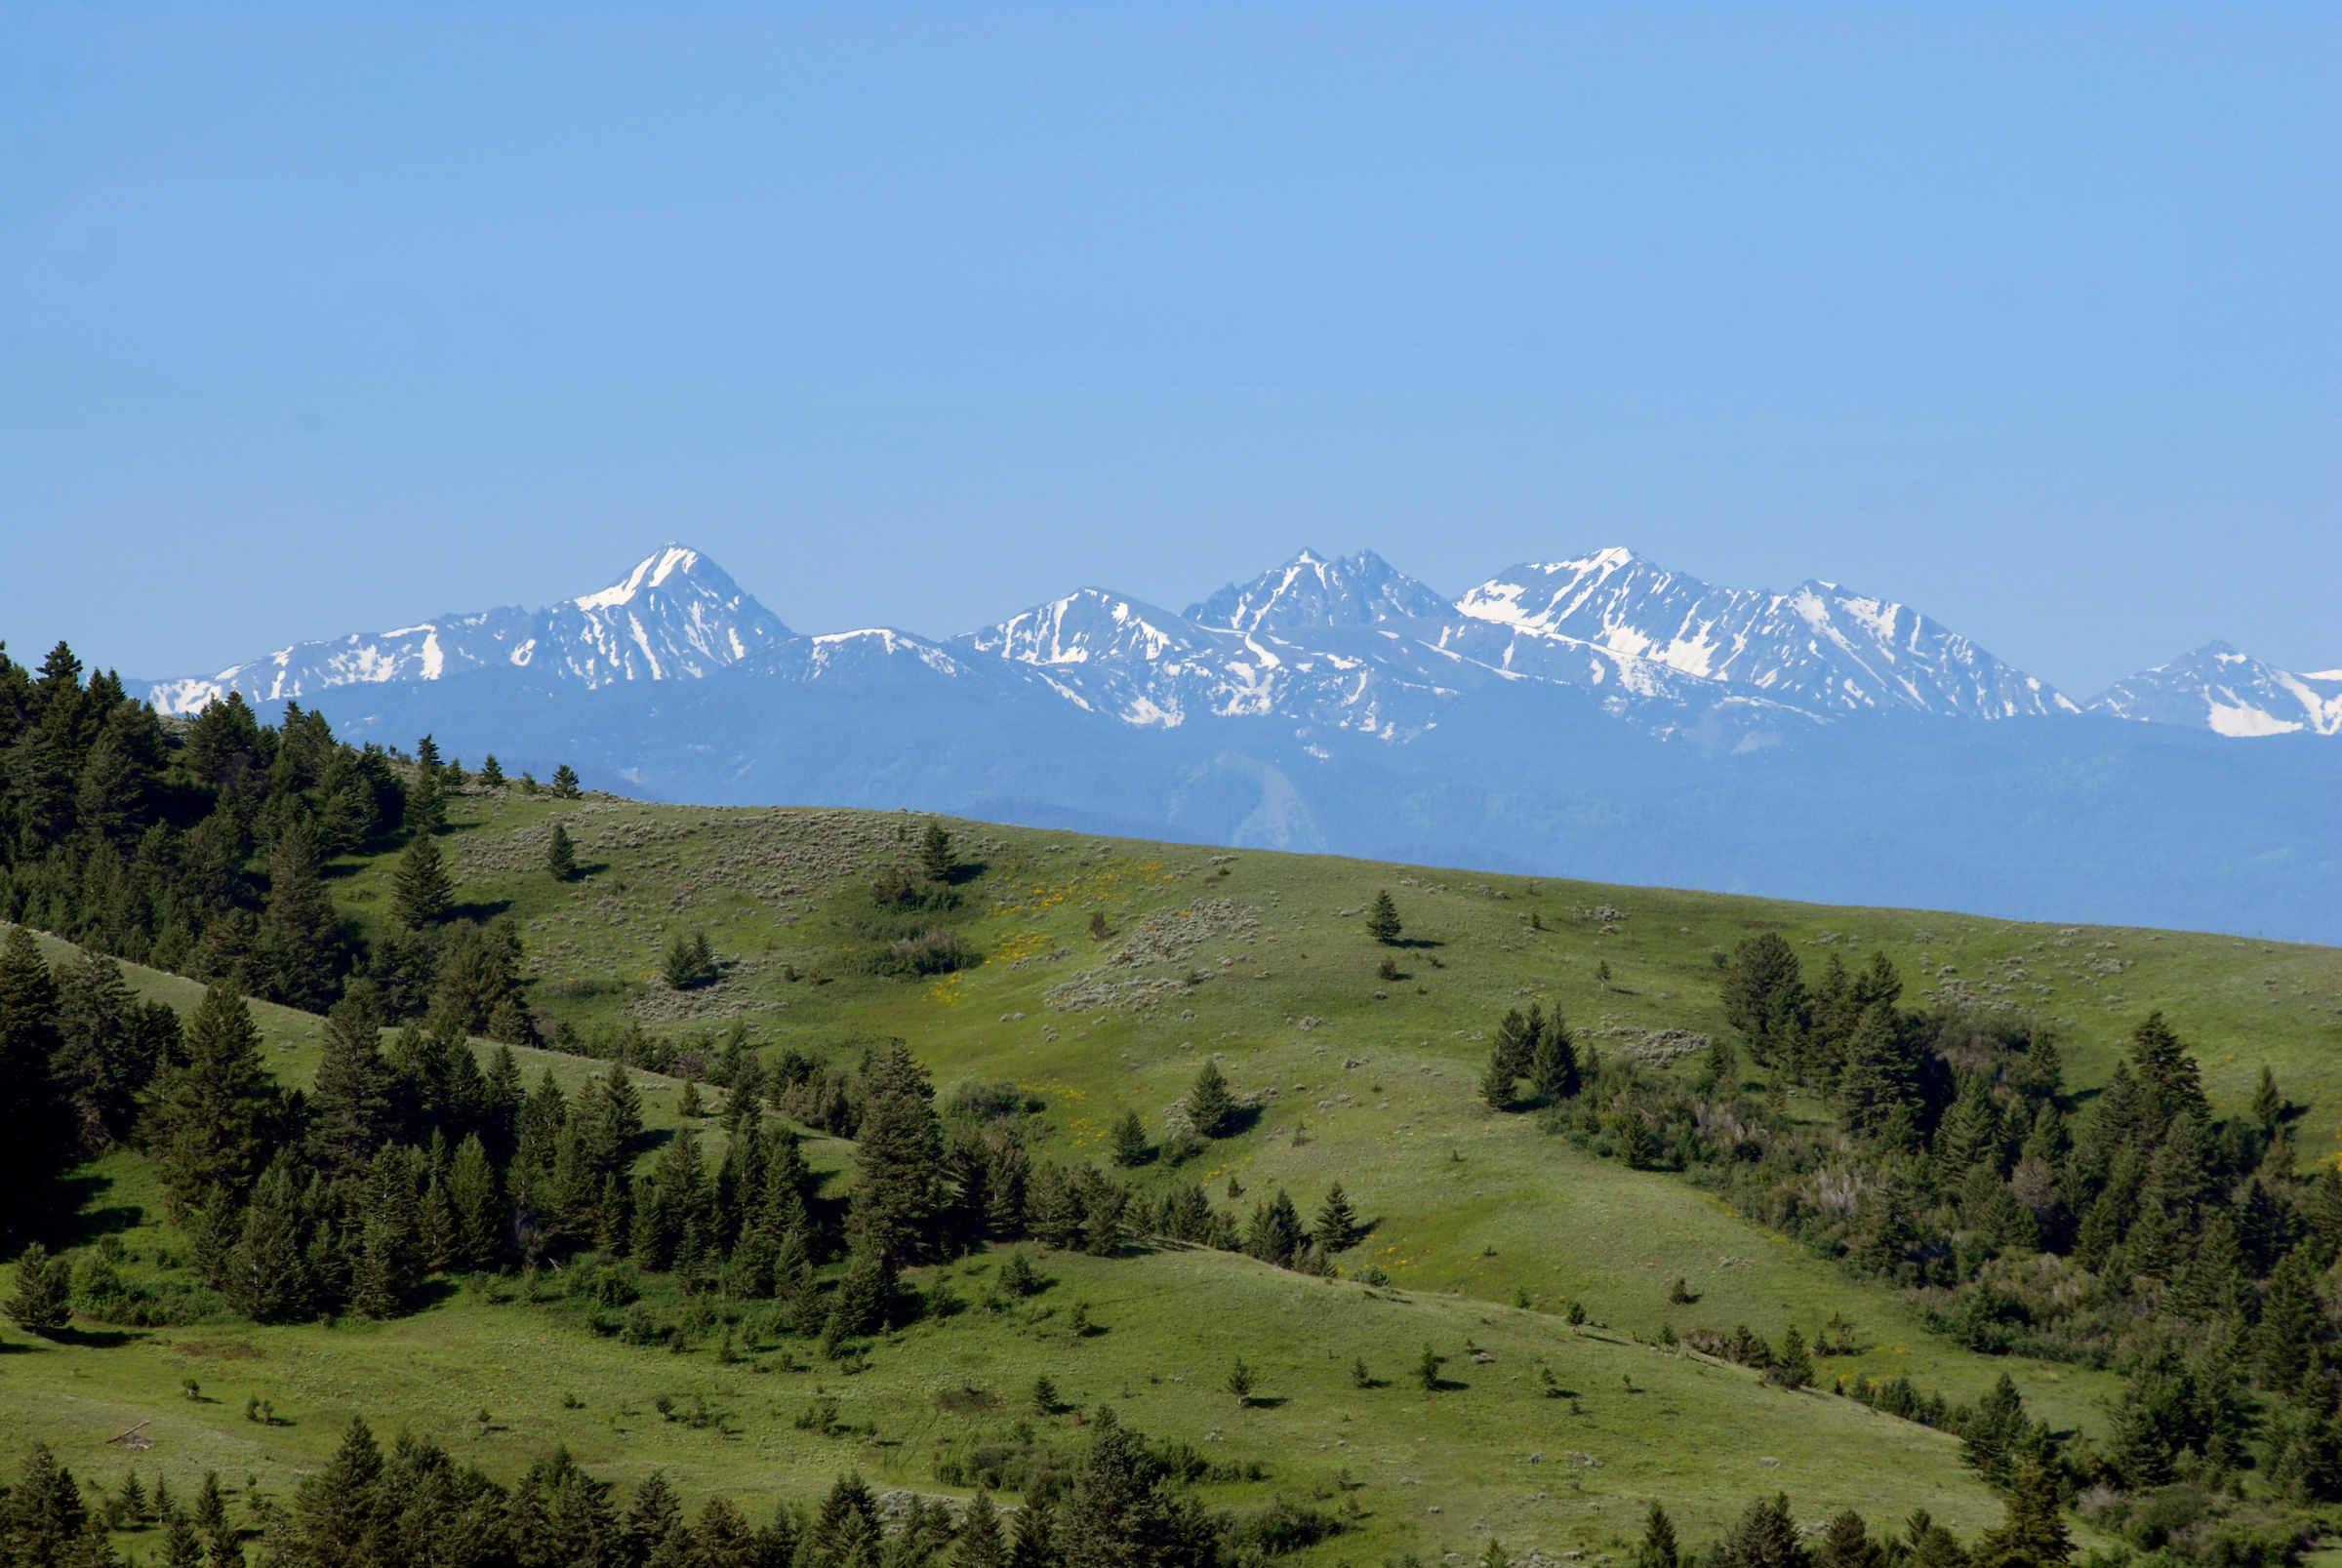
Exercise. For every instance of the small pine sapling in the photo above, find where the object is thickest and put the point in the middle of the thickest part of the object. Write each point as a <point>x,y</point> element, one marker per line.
<point>1242,1380</point>
<point>1382,920</point>
<point>1098,929</point>
<point>1426,1369</point>
<point>1359,1377</point>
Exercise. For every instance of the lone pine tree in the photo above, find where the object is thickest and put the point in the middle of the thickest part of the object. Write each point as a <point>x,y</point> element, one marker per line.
<point>1382,920</point>
<point>560,856</point>
<point>421,889</point>
<point>1209,1104</point>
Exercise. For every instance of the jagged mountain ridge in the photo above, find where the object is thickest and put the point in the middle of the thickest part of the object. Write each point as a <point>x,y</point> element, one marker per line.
<point>675,616</point>
<point>2229,693</point>
<point>1348,644</point>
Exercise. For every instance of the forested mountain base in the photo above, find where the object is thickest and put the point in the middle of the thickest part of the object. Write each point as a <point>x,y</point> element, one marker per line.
<point>1398,1215</point>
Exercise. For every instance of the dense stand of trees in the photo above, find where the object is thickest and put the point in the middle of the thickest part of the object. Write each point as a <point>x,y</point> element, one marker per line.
<point>200,846</point>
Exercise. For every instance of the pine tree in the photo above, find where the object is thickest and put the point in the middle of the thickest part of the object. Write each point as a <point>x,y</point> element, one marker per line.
<point>267,1276</point>
<point>1847,1543</point>
<point>2268,1105</point>
<point>1427,1368</point>
<point>101,1061</point>
<point>43,1302</point>
<point>1129,1138</point>
<point>1658,1548</point>
<point>1115,1514</point>
<point>1274,1235</point>
<point>2034,1535</point>
<point>299,949</point>
<point>560,856</point>
<point>421,889</point>
<point>1553,1064</point>
<point>1337,1225</point>
<point>1496,1084</point>
<point>2291,1315</point>
<point>1241,1381</point>
<point>492,774</point>
<point>426,808</point>
<point>899,1152</point>
<point>480,1215</point>
<point>565,783</point>
<point>1766,1537</point>
<point>349,1100</point>
<point>218,1111</point>
<point>1209,1104</point>
<point>1382,921</point>
<point>1792,1368</point>
<point>2167,1073</point>
<point>32,1147</point>
<point>935,853</point>
<point>1881,1087</point>
<point>1764,994</point>
<point>979,1544</point>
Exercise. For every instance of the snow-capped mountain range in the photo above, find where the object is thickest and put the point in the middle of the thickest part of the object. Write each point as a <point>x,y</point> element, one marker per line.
<point>1350,644</point>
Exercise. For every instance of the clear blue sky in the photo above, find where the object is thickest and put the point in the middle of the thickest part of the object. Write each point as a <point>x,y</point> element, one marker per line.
<point>315,320</point>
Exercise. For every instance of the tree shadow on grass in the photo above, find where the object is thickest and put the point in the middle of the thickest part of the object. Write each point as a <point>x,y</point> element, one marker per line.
<point>1240,1119</point>
<point>478,913</point>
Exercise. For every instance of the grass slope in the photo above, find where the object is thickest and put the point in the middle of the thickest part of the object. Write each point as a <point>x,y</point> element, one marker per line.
<point>1259,959</point>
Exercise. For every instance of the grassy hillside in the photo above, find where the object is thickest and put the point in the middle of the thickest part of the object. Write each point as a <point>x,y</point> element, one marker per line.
<point>1486,1226</point>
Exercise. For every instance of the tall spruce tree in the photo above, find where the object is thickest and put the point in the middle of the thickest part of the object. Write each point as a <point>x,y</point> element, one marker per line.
<point>1765,994</point>
<point>351,1109</point>
<point>420,888</point>
<point>1337,1222</point>
<point>267,1274</point>
<point>297,953</point>
<point>218,1114</point>
<point>899,1153</point>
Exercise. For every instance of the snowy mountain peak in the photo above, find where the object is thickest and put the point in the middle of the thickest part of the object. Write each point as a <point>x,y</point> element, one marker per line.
<point>1820,648</point>
<point>654,571</point>
<point>676,615</point>
<point>2229,693</point>
<point>1317,590</point>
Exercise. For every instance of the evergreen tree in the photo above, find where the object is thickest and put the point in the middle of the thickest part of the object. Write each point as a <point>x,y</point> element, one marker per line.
<point>2268,1105</point>
<point>1766,1537</point>
<point>2291,1315</point>
<point>1496,1084</point>
<point>492,774</point>
<point>1880,1091</point>
<point>425,806</point>
<point>2034,1535</point>
<point>1209,1104</point>
<point>1274,1235</point>
<point>480,1215</point>
<point>935,853</point>
<point>2168,1074</point>
<point>1765,994</point>
<point>565,783</point>
<point>1847,1543</point>
<point>268,1275</point>
<point>1553,1071</point>
<point>1116,1515</point>
<point>421,889</point>
<point>29,1036</point>
<point>218,1112</point>
<point>1337,1225</point>
<point>43,1302</point>
<point>341,1515</point>
<point>899,1153</point>
<point>1658,1548</point>
<point>45,1520</point>
<point>1035,1541</point>
<point>105,1051</point>
<point>1792,1368</point>
<point>1382,920</point>
<point>979,1544</point>
<point>299,949</point>
<point>349,1100</point>
<point>1129,1139</point>
<point>560,856</point>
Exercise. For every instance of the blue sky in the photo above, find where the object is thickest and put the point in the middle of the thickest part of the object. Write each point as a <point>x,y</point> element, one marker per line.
<point>314,320</point>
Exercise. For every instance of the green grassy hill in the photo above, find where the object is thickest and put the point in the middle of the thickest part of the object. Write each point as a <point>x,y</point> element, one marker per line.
<point>1486,1226</point>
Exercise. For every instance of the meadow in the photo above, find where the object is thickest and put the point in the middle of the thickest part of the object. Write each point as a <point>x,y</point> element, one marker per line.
<point>1109,971</point>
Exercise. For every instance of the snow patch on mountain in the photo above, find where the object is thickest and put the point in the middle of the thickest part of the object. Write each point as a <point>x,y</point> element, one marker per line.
<point>2229,693</point>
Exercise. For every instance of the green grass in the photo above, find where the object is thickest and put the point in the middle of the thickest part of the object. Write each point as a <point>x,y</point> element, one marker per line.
<point>1472,1211</point>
